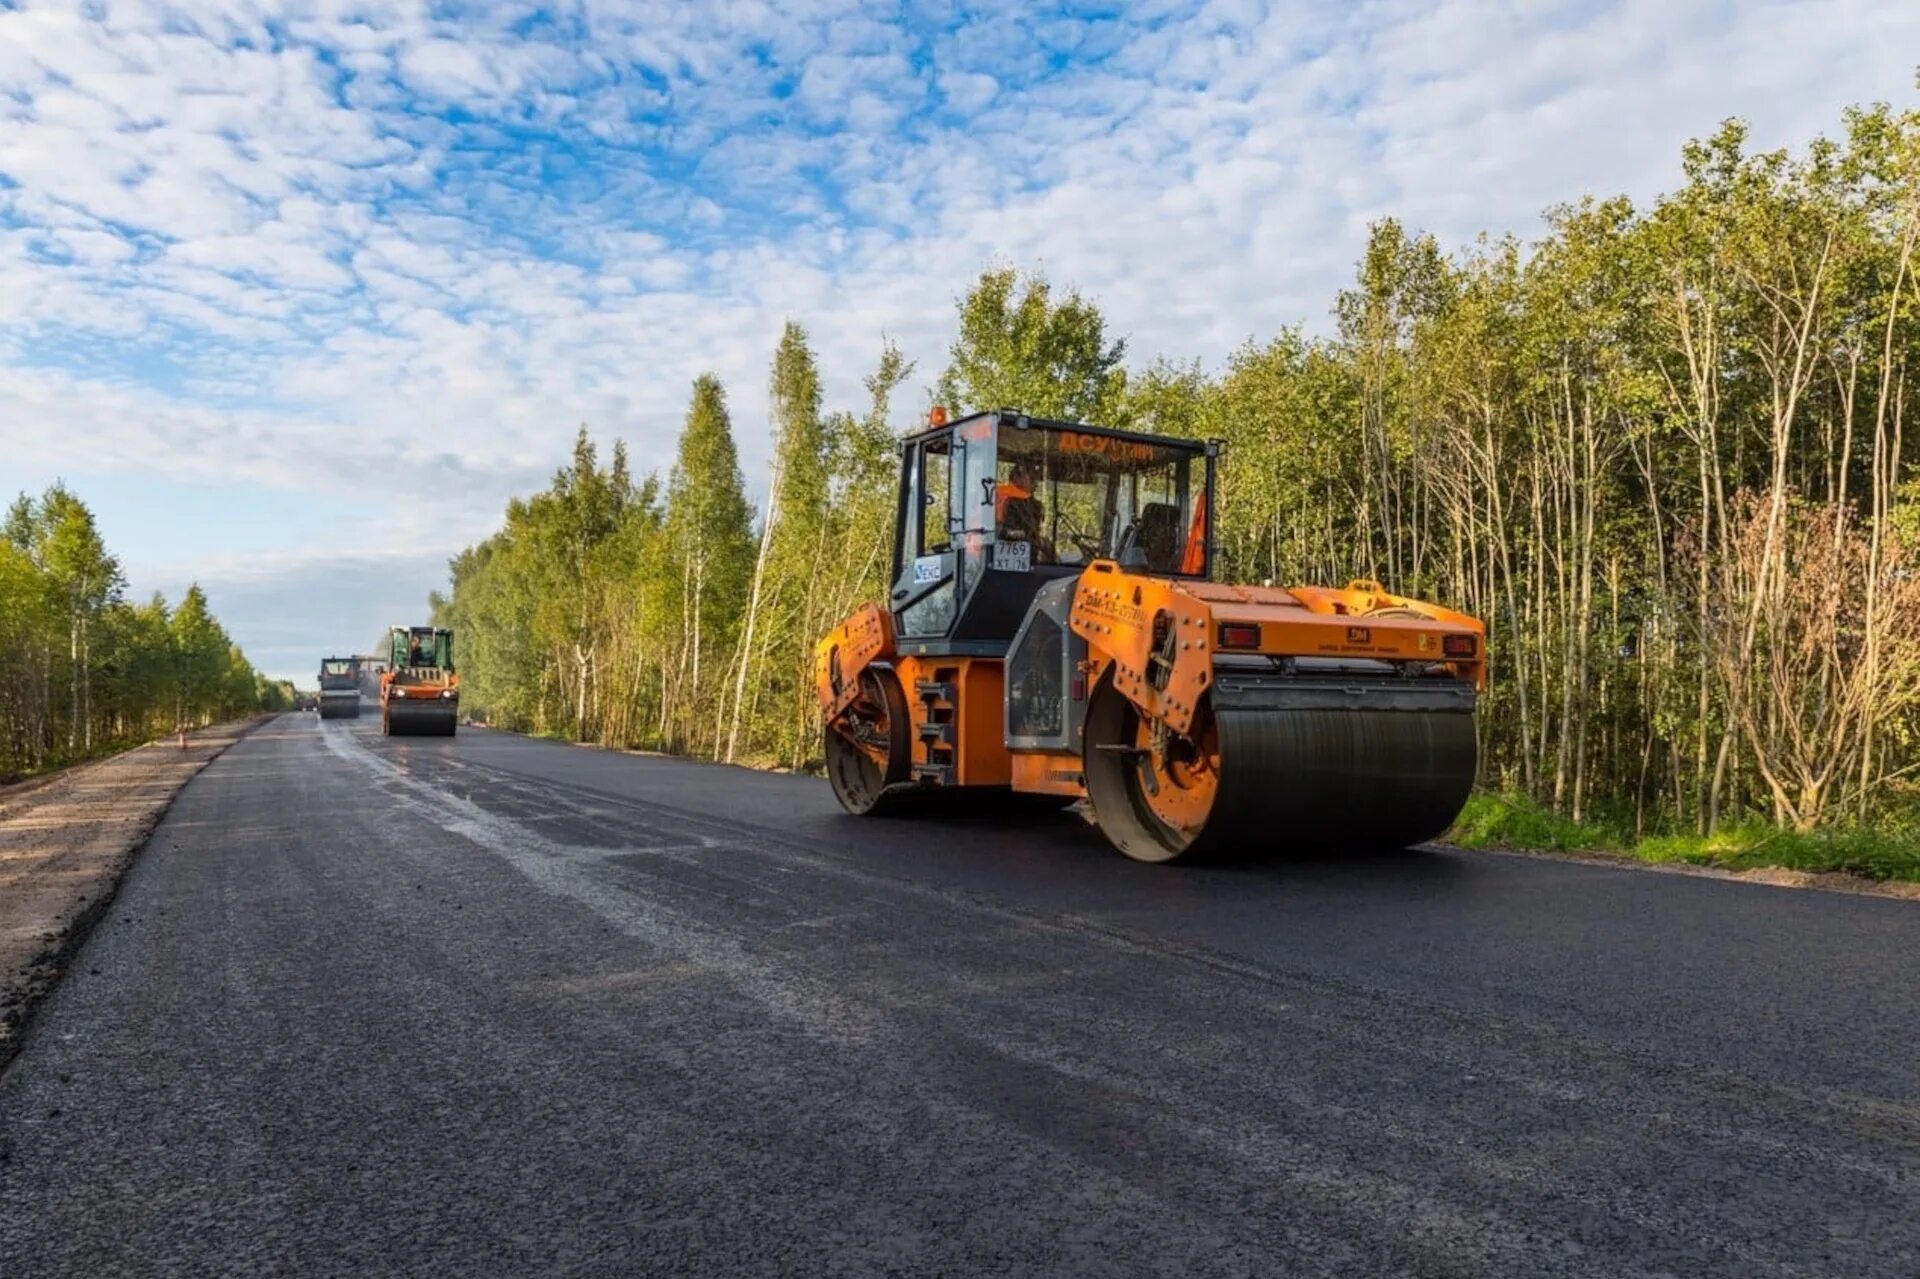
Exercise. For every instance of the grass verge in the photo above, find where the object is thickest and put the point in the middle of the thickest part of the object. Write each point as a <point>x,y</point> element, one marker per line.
<point>1878,853</point>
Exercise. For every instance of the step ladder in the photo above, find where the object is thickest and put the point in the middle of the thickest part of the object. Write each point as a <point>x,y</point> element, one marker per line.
<point>939,728</point>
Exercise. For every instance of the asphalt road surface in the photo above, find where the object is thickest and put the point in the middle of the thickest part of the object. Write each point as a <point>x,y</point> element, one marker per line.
<point>489,1005</point>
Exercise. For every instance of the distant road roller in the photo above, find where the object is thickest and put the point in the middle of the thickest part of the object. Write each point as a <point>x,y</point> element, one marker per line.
<point>419,689</point>
<point>1054,627</point>
<point>340,688</point>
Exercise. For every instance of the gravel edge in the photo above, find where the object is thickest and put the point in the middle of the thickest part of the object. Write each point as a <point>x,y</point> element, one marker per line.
<point>43,972</point>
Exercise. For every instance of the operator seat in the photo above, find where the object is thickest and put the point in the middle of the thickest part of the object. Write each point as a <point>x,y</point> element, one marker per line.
<point>1156,531</point>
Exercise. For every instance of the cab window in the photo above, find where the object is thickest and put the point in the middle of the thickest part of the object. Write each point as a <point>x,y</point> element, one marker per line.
<point>936,480</point>
<point>1075,496</point>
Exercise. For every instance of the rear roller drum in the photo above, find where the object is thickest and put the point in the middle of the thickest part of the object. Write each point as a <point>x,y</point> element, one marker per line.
<point>1263,781</point>
<point>868,751</point>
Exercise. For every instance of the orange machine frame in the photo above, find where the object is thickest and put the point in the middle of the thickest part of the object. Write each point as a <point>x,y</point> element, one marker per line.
<point>956,708</point>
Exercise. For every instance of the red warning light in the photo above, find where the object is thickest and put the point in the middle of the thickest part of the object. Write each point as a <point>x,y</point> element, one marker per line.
<point>1239,635</point>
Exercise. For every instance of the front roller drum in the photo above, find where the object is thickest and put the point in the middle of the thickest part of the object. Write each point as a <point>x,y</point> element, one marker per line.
<point>419,717</point>
<point>869,753</point>
<point>1274,778</point>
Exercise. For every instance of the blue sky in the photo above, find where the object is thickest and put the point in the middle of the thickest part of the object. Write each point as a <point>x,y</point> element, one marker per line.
<point>296,295</point>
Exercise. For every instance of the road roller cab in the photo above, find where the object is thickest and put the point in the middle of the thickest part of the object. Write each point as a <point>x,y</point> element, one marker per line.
<point>997,505</point>
<point>419,689</point>
<point>1053,627</point>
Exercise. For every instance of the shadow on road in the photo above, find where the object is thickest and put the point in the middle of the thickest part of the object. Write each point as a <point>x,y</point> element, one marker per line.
<point>1039,827</point>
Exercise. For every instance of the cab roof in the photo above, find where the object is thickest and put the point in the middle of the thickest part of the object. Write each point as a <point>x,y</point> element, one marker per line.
<point>1021,421</point>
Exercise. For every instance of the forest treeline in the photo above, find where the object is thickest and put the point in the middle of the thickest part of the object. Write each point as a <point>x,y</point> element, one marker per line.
<point>1663,451</point>
<point>84,672</point>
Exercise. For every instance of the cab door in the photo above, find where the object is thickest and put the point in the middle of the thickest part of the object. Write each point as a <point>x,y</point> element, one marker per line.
<point>924,590</point>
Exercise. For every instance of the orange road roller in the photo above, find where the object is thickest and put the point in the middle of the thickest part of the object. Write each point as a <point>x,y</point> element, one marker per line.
<point>419,689</point>
<point>1054,628</point>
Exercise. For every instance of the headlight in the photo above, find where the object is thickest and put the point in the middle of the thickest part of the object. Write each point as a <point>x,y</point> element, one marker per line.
<point>449,693</point>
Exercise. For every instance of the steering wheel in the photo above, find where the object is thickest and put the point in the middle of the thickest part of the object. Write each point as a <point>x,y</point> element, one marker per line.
<point>1089,547</point>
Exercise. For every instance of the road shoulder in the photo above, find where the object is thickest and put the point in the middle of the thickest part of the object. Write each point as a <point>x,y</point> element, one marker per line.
<point>65,842</point>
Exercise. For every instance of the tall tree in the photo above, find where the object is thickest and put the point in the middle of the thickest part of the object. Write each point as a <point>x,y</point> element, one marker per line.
<point>792,539</point>
<point>1019,348</point>
<point>709,540</point>
<point>70,549</point>
<point>200,653</point>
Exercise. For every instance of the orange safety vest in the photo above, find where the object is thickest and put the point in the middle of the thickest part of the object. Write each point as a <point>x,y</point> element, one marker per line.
<point>1004,492</point>
<point>1194,558</point>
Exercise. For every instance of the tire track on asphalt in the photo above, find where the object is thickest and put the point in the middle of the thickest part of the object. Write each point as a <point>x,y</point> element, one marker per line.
<point>1531,1059</point>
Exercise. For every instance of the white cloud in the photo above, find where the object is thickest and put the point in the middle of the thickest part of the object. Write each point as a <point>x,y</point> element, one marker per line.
<point>292,245</point>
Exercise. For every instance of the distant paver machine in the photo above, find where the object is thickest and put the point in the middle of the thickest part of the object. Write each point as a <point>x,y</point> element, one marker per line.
<point>1054,627</point>
<point>339,688</point>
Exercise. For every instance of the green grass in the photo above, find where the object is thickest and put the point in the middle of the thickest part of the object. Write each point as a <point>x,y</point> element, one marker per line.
<point>1867,851</point>
<point>1890,852</point>
<point>1514,821</point>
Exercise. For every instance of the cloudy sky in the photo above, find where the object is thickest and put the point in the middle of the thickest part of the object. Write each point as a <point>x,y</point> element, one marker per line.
<point>296,295</point>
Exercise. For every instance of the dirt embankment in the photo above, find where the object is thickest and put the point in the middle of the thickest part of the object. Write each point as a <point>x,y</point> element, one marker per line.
<point>65,841</point>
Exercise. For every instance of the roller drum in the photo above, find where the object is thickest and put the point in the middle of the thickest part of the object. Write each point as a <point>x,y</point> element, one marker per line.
<point>1278,764</point>
<point>1326,778</point>
<point>420,717</point>
<point>869,778</point>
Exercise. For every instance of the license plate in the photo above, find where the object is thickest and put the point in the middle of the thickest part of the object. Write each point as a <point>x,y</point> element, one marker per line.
<point>1013,557</point>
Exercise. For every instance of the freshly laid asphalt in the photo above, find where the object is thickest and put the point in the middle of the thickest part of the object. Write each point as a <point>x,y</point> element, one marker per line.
<point>495,1006</point>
